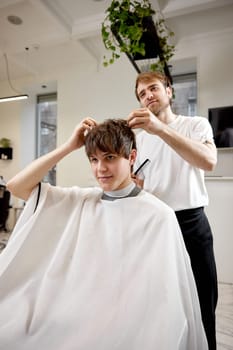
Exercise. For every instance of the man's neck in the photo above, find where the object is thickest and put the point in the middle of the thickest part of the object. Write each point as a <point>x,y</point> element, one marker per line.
<point>167,116</point>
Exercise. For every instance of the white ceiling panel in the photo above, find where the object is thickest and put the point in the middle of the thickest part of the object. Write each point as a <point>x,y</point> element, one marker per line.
<point>61,32</point>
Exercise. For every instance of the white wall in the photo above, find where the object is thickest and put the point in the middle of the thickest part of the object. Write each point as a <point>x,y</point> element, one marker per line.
<point>100,94</point>
<point>10,128</point>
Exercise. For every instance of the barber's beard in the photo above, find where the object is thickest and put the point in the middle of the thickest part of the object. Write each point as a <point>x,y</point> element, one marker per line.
<point>159,109</point>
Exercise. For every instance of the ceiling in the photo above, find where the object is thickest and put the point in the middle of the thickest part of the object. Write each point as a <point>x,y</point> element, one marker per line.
<point>54,33</point>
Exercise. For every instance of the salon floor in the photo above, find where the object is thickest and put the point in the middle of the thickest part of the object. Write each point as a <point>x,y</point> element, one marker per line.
<point>224,309</point>
<point>225,317</point>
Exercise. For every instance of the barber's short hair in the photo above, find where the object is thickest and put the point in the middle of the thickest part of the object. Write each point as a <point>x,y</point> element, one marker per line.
<point>147,77</point>
<point>113,136</point>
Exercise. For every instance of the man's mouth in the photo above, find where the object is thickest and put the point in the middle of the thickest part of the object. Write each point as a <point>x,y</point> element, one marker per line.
<point>104,178</point>
<point>151,102</point>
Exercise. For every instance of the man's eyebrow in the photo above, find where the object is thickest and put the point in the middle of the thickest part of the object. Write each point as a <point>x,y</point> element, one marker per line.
<point>149,87</point>
<point>152,85</point>
<point>140,92</point>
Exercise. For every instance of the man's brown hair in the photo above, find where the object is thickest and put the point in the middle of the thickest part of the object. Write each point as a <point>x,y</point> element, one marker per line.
<point>113,136</point>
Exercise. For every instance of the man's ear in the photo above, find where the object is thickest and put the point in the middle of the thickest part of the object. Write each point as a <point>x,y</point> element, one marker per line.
<point>169,91</point>
<point>132,156</point>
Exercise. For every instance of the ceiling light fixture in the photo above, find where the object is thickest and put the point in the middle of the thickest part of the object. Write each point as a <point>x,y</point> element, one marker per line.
<point>19,95</point>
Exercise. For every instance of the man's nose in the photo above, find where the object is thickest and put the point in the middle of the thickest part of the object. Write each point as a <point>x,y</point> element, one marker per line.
<point>150,96</point>
<point>102,166</point>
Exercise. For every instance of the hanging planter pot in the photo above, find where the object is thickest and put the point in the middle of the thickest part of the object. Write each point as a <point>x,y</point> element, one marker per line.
<point>134,28</point>
<point>5,149</point>
<point>150,39</point>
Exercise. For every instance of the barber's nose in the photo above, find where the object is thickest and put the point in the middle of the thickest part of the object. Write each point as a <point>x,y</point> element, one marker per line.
<point>150,96</point>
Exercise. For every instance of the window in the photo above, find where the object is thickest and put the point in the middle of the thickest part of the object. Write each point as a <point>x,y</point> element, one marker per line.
<point>47,129</point>
<point>185,89</point>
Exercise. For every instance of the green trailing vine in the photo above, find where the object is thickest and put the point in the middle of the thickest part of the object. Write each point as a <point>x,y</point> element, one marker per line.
<point>122,31</point>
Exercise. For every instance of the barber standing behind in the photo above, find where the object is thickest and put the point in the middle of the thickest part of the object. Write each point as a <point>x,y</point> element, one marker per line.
<point>180,149</point>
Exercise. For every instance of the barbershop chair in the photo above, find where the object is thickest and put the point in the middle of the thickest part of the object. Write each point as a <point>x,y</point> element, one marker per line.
<point>4,207</point>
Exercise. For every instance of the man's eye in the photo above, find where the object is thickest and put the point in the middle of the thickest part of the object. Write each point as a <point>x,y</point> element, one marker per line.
<point>110,157</point>
<point>93,160</point>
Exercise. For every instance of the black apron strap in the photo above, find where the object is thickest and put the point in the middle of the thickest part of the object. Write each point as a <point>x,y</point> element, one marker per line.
<point>38,196</point>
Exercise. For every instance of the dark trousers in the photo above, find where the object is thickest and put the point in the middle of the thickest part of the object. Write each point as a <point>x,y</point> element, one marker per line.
<point>199,244</point>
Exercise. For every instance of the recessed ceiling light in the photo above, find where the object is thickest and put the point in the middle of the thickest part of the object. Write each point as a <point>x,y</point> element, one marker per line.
<point>14,20</point>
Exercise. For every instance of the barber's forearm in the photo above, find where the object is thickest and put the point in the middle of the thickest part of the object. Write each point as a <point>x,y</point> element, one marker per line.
<point>198,154</point>
<point>22,184</point>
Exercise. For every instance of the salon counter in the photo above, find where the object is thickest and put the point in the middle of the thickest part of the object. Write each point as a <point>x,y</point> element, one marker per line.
<point>220,214</point>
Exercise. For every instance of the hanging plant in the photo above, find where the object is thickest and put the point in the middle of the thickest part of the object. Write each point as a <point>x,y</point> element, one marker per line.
<point>124,30</point>
<point>5,143</point>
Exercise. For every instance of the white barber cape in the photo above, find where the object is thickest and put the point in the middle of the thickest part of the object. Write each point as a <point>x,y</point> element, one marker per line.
<point>82,273</point>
